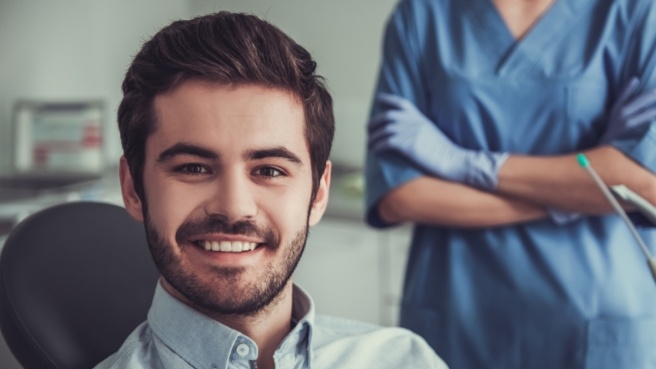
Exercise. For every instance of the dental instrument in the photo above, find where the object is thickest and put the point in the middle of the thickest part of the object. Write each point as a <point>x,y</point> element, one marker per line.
<point>585,163</point>
<point>645,207</point>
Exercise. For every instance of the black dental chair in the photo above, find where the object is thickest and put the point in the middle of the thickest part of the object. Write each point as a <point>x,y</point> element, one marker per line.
<point>75,280</point>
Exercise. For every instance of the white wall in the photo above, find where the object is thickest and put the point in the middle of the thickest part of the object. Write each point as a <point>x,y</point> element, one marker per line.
<point>344,37</point>
<point>73,49</point>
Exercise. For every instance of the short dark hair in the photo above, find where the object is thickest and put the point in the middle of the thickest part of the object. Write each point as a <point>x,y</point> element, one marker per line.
<point>226,48</point>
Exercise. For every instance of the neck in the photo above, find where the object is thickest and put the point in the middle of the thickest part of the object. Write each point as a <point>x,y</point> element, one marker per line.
<point>268,328</point>
<point>521,15</point>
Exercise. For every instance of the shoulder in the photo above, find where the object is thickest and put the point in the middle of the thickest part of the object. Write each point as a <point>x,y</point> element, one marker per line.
<point>416,20</point>
<point>331,323</point>
<point>422,10</point>
<point>426,4</point>
<point>351,344</point>
<point>133,353</point>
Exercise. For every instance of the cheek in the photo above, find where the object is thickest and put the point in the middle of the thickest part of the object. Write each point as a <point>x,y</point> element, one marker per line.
<point>170,205</point>
<point>286,210</point>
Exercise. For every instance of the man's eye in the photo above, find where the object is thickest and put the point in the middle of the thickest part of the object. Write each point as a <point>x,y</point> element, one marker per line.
<point>269,172</point>
<point>191,169</point>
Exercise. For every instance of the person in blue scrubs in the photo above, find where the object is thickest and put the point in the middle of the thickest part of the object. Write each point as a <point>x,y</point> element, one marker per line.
<point>517,260</point>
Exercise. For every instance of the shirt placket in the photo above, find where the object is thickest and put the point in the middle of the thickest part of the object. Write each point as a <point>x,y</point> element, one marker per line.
<point>243,354</point>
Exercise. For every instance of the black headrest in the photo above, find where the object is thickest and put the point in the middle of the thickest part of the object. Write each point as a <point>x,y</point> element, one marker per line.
<point>75,280</point>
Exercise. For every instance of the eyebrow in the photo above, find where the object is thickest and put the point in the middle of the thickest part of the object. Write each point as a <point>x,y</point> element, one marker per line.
<point>186,149</point>
<point>274,152</point>
<point>195,150</point>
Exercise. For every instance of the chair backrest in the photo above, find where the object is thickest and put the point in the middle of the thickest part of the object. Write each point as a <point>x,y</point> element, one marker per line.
<point>75,280</point>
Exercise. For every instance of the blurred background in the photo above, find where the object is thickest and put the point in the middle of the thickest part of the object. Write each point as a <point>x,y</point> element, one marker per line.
<point>76,49</point>
<point>67,52</point>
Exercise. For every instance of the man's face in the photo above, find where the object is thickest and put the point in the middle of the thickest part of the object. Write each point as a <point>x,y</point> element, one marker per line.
<point>227,180</point>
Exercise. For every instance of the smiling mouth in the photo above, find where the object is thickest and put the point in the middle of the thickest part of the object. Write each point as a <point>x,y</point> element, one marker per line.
<point>226,246</point>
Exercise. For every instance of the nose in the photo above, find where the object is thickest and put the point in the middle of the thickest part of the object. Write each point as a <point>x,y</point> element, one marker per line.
<point>233,198</point>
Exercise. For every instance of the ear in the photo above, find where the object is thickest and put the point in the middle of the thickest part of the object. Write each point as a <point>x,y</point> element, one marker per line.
<point>321,199</point>
<point>130,198</point>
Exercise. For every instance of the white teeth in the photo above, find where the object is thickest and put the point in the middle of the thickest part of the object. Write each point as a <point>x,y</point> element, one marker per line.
<point>227,246</point>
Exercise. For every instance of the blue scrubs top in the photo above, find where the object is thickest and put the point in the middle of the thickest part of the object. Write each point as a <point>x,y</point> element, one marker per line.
<point>533,295</point>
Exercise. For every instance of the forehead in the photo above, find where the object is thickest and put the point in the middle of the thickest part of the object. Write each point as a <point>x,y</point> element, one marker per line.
<point>229,118</point>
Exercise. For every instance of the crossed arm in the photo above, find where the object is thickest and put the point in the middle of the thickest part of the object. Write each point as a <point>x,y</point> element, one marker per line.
<point>482,189</point>
<point>527,186</point>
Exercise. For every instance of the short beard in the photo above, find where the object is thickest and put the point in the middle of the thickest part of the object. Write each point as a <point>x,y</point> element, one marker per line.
<point>255,296</point>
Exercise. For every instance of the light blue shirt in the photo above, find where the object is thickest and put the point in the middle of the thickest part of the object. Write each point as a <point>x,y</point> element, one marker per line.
<point>176,336</point>
<point>532,295</point>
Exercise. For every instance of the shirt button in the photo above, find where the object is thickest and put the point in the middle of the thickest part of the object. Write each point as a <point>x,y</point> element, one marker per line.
<point>242,349</point>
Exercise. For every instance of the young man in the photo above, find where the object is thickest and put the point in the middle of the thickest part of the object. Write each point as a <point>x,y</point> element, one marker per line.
<point>226,131</point>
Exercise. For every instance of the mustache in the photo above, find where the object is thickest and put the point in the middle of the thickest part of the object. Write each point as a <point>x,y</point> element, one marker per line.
<point>217,224</point>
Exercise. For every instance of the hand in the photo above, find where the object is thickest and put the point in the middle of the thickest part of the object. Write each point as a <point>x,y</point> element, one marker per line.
<point>630,111</point>
<point>403,129</point>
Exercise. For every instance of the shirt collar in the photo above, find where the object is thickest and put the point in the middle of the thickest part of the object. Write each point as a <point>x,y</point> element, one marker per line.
<point>299,340</point>
<point>203,342</point>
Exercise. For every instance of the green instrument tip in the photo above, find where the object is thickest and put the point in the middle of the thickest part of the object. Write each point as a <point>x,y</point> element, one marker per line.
<point>583,161</point>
